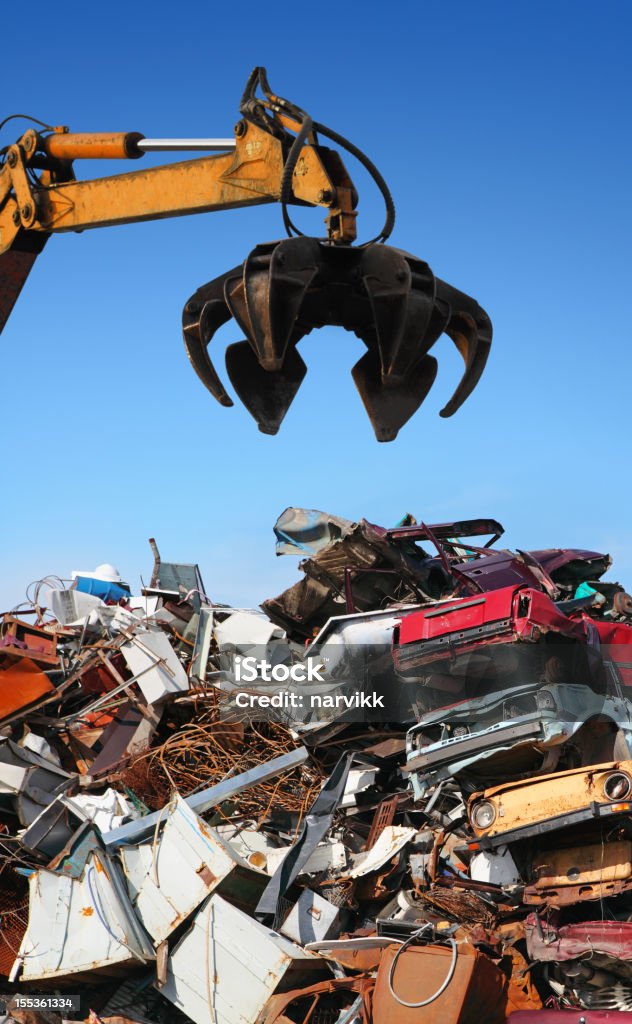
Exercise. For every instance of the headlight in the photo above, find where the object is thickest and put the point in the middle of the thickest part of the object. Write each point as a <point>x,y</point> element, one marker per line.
<point>483,814</point>
<point>545,700</point>
<point>617,786</point>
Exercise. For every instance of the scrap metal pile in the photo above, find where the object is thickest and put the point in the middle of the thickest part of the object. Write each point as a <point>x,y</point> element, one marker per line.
<point>399,791</point>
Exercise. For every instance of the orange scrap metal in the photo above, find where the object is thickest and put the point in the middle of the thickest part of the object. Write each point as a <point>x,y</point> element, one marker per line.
<point>21,685</point>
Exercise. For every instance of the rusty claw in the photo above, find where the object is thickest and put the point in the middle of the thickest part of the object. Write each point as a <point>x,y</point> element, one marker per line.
<point>388,298</point>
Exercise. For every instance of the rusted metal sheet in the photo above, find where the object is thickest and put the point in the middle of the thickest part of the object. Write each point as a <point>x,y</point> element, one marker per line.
<point>588,872</point>
<point>345,1000</point>
<point>522,993</point>
<point>360,953</point>
<point>20,639</point>
<point>462,988</point>
<point>21,684</point>
<point>384,816</point>
<point>128,733</point>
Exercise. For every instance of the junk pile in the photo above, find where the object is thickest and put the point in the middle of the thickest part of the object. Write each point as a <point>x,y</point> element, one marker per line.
<point>399,791</point>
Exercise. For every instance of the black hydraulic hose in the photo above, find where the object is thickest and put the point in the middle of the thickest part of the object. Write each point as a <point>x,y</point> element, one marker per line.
<point>254,110</point>
<point>288,171</point>
<point>368,164</point>
<point>306,127</point>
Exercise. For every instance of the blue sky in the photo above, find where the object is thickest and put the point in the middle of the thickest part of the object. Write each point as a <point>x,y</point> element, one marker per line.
<point>503,132</point>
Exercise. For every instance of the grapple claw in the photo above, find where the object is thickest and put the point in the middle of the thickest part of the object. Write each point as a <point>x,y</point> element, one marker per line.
<point>388,298</point>
<point>235,298</point>
<point>203,315</point>
<point>471,331</point>
<point>401,312</point>
<point>267,394</point>
<point>275,281</point>
<point>389,408</point>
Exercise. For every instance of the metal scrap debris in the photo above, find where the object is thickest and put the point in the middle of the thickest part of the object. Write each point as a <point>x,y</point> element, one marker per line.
<point>401,790</point>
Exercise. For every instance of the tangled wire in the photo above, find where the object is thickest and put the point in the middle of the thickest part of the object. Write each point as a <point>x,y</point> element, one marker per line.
<point>208,750</point>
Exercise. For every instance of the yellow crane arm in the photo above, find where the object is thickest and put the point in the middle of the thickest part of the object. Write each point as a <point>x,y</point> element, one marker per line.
<point>39,194</point>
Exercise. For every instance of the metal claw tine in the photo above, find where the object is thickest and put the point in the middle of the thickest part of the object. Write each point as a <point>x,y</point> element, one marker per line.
<point>401,312</point>
<point>276,278</point>
<point>390,406</point>
<point>387,277</point>
<point>235,298</point>
<point>253,271</point>
<point>257,297</point>
<point>266,394</point>
<point>203,315</point>
<point>470,329</point>
<point>294,265</point>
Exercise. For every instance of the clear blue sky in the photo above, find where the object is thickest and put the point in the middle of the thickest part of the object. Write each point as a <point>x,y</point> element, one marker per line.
<point>503,130</point>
